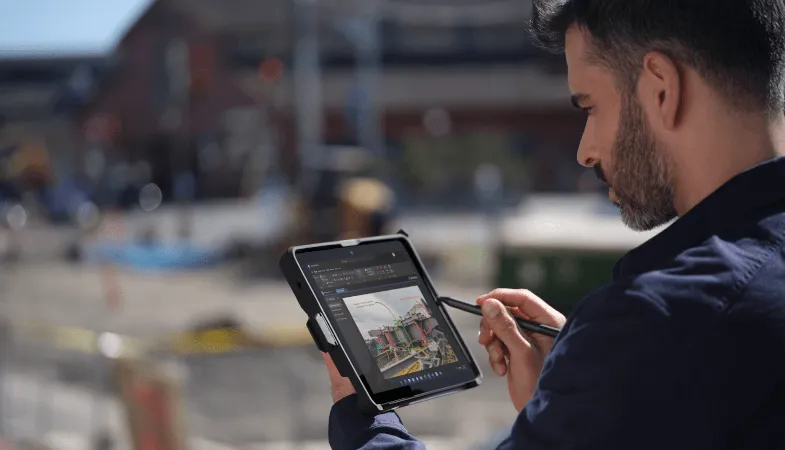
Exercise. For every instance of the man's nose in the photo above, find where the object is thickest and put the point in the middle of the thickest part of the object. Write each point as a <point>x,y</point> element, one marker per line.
<point>586,153</point>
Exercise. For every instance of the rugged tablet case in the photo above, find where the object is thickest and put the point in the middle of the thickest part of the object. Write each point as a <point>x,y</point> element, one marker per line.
<point>328,343</point>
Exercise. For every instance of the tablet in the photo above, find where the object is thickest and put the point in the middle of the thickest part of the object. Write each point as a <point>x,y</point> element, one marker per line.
<point>372,307</point>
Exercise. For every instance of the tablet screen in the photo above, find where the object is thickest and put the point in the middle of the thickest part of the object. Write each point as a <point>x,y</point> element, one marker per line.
<point>387,319</point>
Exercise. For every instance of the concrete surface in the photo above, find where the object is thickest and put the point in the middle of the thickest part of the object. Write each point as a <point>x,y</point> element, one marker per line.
<point>243,400</point>
<point>74,415</point>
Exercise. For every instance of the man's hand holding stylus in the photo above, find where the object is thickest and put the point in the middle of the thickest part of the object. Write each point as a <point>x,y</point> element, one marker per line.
<point>518,356</point>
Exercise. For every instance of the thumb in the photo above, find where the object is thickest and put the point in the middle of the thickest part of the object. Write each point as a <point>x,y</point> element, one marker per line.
<point>335,375</point>
<point>502,324</point>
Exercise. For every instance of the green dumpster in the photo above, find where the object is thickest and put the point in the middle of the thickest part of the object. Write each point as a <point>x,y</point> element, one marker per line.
<point>563,247</point>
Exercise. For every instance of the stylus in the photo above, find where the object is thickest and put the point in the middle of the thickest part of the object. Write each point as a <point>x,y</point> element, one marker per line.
<point>527,325</point>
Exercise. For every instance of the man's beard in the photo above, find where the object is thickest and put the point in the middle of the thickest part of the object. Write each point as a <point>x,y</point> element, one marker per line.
<point>641,177</point>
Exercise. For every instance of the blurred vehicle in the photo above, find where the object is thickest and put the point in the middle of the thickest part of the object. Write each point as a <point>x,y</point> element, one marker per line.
<point>347,198</point>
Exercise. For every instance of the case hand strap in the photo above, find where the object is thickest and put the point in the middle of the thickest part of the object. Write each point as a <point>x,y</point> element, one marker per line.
<point>324,343</point>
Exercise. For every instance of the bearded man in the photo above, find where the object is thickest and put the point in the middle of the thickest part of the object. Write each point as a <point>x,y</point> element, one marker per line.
<point>685,348</point>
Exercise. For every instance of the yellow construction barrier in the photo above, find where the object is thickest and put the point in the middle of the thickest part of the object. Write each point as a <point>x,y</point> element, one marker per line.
<point>224,340</point>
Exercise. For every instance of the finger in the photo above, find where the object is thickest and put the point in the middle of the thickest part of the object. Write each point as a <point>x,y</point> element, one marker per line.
<point>498,355</point>
<point>529,305</point>
<point>497,359</point>
<point>331,369</point>
<point>504,327</point>
<point>486,335</point>
<point>496,352</point>
<point>511,309</point>
<point>341,386</point>
<point>499,368</point>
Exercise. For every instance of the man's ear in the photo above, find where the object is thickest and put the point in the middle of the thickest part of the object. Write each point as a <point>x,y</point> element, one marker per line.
<point>660,88</point>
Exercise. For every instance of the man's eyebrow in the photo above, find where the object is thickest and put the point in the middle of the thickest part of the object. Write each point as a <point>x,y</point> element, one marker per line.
<point>578,100</point>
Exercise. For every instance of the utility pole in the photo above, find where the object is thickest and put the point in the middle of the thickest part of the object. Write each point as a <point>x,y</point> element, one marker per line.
<point>370,135</point>
<point>489,186</point>
<point>179,78</point>
<point>308,90</point>
<point>362,31</point>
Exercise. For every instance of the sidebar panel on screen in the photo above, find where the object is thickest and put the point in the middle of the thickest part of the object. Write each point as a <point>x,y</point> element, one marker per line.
<point>386,316</point>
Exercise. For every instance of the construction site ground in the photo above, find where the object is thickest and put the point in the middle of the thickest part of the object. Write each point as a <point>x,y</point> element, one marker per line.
<point>255,398</point>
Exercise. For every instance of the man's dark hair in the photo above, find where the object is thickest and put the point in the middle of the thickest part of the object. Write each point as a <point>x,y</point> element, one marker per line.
<point>737,46</point>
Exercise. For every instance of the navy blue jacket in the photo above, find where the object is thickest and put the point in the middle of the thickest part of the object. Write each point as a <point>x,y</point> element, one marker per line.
<point>684,349</point>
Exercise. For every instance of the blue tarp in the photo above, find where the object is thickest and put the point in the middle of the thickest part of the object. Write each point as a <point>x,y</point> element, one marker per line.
<point>146,257</point>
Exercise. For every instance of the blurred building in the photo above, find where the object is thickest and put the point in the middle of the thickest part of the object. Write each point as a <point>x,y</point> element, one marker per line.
<point>460,84</point>
<point>176,105</point>
<point>208,87</point>
<point>39,97</point>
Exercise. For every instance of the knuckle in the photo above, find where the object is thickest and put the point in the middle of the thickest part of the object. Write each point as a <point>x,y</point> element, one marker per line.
<point>493,347</point>
<point>507,325</point>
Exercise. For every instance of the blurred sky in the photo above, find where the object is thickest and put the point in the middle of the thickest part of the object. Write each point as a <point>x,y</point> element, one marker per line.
<point>65,27</point>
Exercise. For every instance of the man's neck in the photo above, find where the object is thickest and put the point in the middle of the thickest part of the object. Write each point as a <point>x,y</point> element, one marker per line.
<point>721,156</point>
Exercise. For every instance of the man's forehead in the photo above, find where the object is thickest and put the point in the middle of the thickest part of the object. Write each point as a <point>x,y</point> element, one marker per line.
<point>576,40</point>
<point>575,54</point>
<point>583,74</point>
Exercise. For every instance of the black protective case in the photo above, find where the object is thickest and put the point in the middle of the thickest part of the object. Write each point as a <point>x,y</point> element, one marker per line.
<point>323,338</point>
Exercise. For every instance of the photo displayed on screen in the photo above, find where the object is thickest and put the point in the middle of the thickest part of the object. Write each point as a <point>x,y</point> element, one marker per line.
<point>400,332</point>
